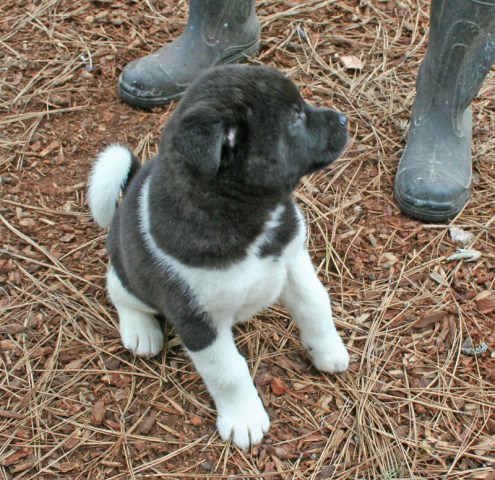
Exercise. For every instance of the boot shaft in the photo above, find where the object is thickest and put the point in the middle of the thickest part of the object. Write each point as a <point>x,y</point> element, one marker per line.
<point>461,51</point>
<point>215,19</point>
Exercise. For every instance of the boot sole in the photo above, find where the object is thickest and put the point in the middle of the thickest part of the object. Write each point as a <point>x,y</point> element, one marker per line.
<point>150,102</point>
<point>438,214</point>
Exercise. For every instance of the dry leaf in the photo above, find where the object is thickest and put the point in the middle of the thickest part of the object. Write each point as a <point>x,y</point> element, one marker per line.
<point>458,235</point>
<point>430,319</point>
<point>388,259</point>
<point>438,278</point>
<point>351,62</point>
<point>462,254</point>
<point>485,301</point>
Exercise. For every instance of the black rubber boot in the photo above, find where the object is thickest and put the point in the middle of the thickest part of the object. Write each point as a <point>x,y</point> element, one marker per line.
<point>217,32</point>
<point>434,173</point>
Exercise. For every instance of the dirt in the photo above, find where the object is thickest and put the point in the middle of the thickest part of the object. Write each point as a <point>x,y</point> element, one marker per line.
<point>75,404</point>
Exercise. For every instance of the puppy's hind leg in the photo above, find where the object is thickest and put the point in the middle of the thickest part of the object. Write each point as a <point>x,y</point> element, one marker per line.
<point>139,329</point>
<point>309,304</point>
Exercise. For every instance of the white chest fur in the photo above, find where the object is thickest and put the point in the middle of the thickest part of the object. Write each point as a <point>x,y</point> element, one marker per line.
<point>235,293</point>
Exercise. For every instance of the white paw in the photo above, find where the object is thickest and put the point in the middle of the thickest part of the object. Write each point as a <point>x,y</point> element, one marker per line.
<point>244,422</point>
<point>330,356</point>
<point>142,336</point>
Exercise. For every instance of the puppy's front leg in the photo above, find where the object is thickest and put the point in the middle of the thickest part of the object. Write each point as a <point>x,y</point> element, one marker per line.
<point>309,304</point>
<point>241,415</point>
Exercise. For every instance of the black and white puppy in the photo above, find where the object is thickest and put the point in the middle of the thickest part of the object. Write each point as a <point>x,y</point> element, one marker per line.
<point>207,233</point>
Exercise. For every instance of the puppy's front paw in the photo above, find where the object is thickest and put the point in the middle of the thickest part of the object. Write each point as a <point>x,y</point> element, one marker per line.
<point>330,356</point>
<point>244,422</point>
<point>143,337</point>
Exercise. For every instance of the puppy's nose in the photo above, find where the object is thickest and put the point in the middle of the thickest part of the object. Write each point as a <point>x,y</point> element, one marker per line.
<point>343,119</point>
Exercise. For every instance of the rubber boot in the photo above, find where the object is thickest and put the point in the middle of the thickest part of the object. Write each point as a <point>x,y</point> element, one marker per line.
<point>217,32</point>
<point>434,173</point>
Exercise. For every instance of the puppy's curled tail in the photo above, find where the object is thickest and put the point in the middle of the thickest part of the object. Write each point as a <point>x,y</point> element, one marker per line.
<point>111,172</point>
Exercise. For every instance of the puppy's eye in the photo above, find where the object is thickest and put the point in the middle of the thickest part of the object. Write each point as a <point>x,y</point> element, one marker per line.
<point>298,118</point>
<point>231,137</point>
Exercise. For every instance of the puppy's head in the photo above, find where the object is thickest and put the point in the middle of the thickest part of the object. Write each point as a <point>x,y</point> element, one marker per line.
<point>250,127</point>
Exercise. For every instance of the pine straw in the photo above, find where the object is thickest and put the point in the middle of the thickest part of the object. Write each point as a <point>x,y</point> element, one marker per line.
<point>75,404</point>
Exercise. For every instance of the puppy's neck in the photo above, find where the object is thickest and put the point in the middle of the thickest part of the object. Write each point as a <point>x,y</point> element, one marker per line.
<point>210,226</point>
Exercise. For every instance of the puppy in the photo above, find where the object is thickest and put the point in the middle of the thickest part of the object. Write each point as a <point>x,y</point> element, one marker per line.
<point>207,233</point>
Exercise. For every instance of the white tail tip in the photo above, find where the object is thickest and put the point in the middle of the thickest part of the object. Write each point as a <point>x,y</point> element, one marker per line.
<point>108,176</point>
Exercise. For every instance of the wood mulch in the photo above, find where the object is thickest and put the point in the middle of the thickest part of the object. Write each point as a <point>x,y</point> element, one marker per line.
<point>74,404</point>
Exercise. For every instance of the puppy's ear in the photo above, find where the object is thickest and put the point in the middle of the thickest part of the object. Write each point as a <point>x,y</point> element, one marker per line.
<point>200,138</point>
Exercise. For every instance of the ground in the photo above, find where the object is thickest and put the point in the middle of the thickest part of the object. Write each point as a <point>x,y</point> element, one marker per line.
<point>75,404</point>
